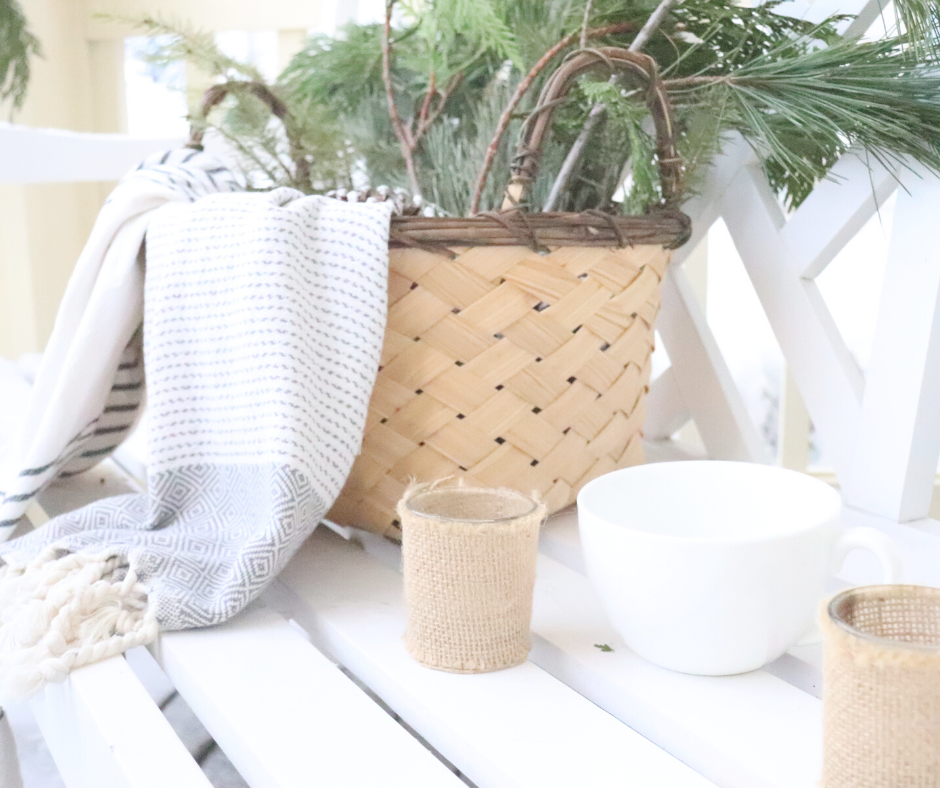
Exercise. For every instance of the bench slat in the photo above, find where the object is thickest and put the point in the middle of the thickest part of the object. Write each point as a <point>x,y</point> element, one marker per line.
<point>757,730</point>
<point>517,727</point>
<point>285,715</point>
<point>104,731</point>
<point>101,725</point>
<point>734,730</point>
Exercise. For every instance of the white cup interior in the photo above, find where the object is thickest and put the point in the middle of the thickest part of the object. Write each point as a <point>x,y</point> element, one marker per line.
<point>711,500</point>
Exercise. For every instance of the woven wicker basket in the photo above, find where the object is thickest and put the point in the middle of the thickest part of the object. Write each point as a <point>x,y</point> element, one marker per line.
<point>517,349</point>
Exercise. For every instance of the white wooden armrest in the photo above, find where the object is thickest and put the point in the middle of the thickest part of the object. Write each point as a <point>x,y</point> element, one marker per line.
<point>285,715</point>
<point>59,156</point>
<point>516,727</point>
<point>104,731</point>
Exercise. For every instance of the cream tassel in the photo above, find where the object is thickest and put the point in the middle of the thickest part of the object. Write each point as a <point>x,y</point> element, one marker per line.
<point>63,610</point>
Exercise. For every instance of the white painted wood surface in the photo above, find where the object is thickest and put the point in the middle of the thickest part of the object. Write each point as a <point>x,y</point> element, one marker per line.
<point>29,155</point>
<point>756,729</point>
<point>516,727</point>
<point>278,708</point>
<point>101,725</point>
<point>281,711</point>
<point>747,731</point>
<point>285,715</point>
<point>104,731</point>
<point>826,373</point>
<point>878,431</point>
<point>761,729</point>
<point>701,376</point>
<point>898,440</point>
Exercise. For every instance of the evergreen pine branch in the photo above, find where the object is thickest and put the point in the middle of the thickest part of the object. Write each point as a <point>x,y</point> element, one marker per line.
<point>920,22</point>
<point>799,93</point>
<point>184,43</point>
<point>342,73</point>
<point>17,46</point>
<point>802,111</point>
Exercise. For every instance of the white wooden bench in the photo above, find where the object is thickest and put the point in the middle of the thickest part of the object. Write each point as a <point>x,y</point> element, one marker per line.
<point>267,688</point>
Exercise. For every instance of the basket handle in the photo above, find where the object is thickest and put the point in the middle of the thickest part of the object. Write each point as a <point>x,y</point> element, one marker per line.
<point>614,59</point>
<point>216,93</point>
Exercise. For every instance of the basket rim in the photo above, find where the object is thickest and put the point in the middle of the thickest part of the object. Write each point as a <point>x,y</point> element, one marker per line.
<point>666,227</point>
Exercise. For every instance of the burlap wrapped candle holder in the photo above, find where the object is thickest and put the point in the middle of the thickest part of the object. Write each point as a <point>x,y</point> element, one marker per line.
<point>469,567</point>
<point>881,688</point>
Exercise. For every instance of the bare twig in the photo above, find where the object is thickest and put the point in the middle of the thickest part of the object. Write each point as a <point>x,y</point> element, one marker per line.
<point>652,25</point>
<point>432,89</point>
<point>584,23</point>
<point>596,115</point>
<point>410,135</point>
<point>694,82</point>
<point>520,91</point>
<point>401,131</point>
<point>598,111</point>
<point>429,117</point>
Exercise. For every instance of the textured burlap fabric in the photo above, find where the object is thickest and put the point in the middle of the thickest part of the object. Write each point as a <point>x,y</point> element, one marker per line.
<point>881,688</point>
<point>469,566</point>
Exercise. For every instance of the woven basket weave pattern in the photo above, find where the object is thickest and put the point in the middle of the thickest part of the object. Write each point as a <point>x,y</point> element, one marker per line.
<point>509,368</point>
<point>881,698</point>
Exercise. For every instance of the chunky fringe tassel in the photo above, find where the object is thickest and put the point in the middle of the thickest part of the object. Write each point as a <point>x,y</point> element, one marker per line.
<point>63,610</point>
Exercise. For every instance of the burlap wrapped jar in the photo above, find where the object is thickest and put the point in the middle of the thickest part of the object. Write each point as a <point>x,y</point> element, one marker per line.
<point>469,568</point>
<point>881,688</point>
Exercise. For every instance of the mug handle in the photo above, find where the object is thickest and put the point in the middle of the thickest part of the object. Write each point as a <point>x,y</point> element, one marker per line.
<point>864,538</point>
<point>875,542</point>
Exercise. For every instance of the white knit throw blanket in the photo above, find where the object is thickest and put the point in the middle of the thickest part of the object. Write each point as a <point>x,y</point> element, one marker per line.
<point>262,328</point>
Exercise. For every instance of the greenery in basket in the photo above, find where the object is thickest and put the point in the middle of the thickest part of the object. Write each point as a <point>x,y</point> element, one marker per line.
<point>420,102</point>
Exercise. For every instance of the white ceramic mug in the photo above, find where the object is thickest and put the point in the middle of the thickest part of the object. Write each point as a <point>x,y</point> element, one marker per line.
<point>716,568</point>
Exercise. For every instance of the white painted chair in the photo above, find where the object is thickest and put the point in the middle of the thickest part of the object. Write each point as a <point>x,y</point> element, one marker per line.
<point>267,687</point>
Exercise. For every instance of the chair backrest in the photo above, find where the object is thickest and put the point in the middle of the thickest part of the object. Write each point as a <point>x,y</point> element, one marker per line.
<point>29,155</point>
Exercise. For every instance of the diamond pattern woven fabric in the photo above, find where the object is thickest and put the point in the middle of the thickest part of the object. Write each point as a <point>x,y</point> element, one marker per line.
<point>263,324</point>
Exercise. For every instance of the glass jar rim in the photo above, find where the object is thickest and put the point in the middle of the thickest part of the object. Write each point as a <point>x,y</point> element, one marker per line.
<point>835,610</point>
<point>410,504</point>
